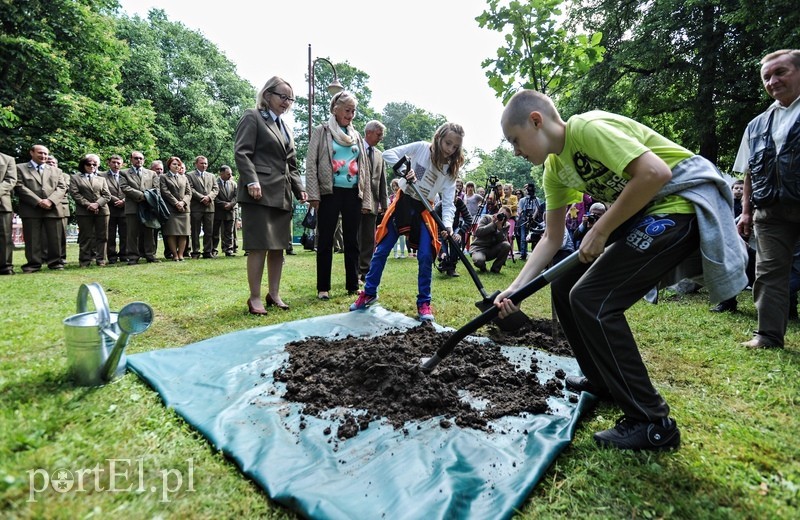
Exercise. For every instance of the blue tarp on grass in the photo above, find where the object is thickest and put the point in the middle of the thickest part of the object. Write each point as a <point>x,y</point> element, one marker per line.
<point>224,387</point>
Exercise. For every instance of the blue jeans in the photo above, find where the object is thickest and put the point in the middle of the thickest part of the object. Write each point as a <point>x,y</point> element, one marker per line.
<point>424,261</point>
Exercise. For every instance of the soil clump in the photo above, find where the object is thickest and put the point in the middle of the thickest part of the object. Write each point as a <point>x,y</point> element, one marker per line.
<point>381,377</point>
<point>537,333</point>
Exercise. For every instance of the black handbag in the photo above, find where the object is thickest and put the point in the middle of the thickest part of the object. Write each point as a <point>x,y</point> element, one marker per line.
<point>307,240</point>
<point>310,220</point>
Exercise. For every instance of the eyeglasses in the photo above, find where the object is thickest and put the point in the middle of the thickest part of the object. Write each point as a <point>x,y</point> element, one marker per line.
<point>137,158</point>
<point>93,164</point>
<point>283,97</point>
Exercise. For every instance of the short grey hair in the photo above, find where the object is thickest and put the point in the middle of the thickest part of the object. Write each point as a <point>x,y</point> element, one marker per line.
<point>374,125</point>
<point>793,53</point>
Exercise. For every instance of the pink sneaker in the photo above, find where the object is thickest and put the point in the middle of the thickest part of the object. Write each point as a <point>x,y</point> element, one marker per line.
<point>363,301</point>
<point>425,312</point>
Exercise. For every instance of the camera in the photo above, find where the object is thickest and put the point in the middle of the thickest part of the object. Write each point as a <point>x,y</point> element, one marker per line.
<point>592,218</point>
<point>501,216</point>
<point>492,181</point>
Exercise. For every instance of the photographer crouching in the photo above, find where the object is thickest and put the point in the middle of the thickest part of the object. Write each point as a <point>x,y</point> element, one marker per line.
<point>491,240</point>
<point>596,211</point>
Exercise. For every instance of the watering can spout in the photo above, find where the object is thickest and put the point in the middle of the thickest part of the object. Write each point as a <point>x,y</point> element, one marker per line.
<point>134,318</point>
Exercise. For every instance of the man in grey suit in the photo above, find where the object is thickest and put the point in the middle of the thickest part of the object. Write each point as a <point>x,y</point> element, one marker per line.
<point>204,191</point>
<point>8,179</point>
<point>116,208</point>
<point>41,189</point>
<point>373,134</point>
<point>134,182</point>
<point>224,209</point>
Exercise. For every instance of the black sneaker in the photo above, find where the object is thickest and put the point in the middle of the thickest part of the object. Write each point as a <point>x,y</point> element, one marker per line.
<point>580,384</point>
<point>728,305</point>
<point>630,434</point>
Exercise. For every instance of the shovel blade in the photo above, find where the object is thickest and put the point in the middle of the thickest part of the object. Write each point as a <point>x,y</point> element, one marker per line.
<point>510,323</point>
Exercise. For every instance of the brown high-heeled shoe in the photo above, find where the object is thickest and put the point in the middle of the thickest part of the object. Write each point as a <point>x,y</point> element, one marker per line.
<point>281,306</point>
<point>254,311</point>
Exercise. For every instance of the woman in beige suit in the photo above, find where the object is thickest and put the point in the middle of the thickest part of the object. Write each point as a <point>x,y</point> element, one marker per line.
<point>268,176</point>
<point>177,193</point>
<point>91,196</point>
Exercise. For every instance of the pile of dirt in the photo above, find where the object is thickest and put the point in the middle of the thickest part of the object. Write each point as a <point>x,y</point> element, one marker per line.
<point>381,377</point>
<point>543,334</point>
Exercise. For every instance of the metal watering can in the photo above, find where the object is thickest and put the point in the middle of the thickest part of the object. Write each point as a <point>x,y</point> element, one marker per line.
<point>96,340</point>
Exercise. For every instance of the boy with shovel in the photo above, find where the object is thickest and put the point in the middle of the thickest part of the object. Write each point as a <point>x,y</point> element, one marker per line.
<point>681,203</point>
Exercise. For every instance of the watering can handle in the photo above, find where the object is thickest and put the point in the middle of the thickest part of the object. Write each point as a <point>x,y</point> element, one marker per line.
<point>100,302</point>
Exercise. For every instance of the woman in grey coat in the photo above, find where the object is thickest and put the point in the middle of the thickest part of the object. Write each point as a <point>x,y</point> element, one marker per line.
<point>268,177</point>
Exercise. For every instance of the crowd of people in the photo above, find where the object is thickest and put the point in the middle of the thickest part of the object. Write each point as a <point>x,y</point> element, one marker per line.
<point>119,212</point>
<point>631,202</point>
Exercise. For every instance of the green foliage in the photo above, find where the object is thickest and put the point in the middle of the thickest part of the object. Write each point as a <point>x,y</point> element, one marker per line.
<point>61,71</point>
<point>408,124</point>
<point>688,69</point>
<point>196,95</point>
<point>540,53</point>
<point>507,167</point>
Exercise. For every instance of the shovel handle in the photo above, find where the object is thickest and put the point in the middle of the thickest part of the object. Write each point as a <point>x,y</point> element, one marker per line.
<point>520,294</point>
<point>491,313</point>
<point>439,222</point>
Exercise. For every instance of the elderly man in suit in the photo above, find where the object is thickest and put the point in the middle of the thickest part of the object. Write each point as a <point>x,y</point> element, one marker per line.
<point>134,182</point>
<point>225,207</point>
<point>40,189</point>
<point>373,134</point>
<point>91,196</point>
<point>8,179</point>
<point>204,191</point>
<point>116,209</point>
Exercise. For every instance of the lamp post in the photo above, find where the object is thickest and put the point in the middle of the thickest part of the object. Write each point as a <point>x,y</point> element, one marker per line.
<point>333,88</point>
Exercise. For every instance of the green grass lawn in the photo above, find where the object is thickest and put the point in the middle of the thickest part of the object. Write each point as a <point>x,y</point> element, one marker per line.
<point>737,409</point>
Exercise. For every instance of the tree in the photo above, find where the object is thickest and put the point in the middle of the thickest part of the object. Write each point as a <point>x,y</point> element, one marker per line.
<point>408,124</point>
<point>193,88</point>
<point>540,53</point>
<point>503,164</point>
<point>60,64</point>
<point>688,69</point>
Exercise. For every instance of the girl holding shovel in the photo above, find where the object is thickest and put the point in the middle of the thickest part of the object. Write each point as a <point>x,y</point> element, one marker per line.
<point>435,167</point>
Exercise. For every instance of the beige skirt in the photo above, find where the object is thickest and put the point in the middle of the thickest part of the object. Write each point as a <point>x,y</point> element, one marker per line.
<point>178,224</point>
<point>265,228</point>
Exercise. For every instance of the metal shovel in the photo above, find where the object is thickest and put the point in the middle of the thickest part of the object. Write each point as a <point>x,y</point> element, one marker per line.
<point>513,322</point>
<point>488,315</point>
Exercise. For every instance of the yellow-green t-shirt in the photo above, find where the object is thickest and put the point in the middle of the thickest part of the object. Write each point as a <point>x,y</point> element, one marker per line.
<point>597,149</point>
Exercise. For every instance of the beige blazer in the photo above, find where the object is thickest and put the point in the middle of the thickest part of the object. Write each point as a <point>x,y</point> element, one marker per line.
<point>134,186</point>
<point>116,192</point>
<point>202,186</point>
<point>33,186</point>
<point>263,156</point>
<point>8,179</point>
<point>319,167</point>
<point>227,193</point>
<point>377,170</point>
<point>175,188</point>
<point>86,191</point>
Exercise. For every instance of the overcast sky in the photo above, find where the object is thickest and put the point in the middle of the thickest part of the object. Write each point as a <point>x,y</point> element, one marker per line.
<point>424,52</point>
